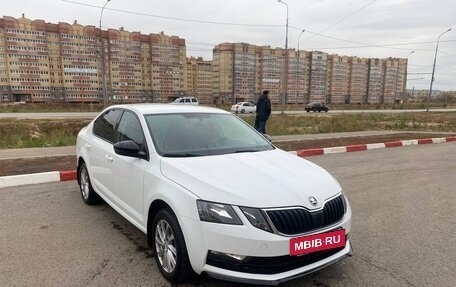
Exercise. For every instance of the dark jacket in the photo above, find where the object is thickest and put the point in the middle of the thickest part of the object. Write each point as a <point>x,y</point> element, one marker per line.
<point>263,107</point>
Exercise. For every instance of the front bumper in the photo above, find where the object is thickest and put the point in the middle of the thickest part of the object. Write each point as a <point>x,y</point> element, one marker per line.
<point>247,240</point>
<point>275,279</point>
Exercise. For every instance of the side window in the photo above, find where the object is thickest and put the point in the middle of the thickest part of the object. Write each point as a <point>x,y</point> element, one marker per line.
<point>130,129</point>
<point>181,101</point>
<point>187,100</point>
<point>105,125</point>
<point>194,100</point>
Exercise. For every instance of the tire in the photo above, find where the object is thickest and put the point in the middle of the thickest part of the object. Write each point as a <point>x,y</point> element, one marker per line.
<point>242,111</point>
<point>326,110</point>
<point>89,196</point>
<point>170,249</point>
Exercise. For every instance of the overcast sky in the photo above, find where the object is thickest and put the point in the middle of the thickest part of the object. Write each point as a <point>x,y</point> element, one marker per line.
<point>345,27</point>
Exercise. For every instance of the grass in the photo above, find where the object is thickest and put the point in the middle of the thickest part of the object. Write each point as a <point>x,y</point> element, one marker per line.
<point>93,107</point>
<point>52,107</point>
<point>22,133</point>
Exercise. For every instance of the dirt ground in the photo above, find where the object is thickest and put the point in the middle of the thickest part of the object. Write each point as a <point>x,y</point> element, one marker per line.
<point>43,164</point>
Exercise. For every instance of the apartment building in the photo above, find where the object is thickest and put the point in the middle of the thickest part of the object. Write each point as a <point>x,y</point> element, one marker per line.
<point>242,71</point>
<point>271,72</point>
<point>359,73</point>
<point>222,73</point>
<point>339,76</point>
<point>298,76</point>
<point>199,79</point>
<point>41,62</point>
<point>375,81</point>
<point>319,77</point>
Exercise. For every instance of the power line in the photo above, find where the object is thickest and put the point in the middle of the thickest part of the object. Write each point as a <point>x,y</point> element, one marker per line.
<point>446,53</point>
<point>174,18</point>
<point>366,45</point>
<point>342,19</point>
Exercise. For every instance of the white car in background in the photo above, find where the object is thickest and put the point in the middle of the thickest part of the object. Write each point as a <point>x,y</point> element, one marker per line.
<point>212,194</point>
<point>243,107</point>
<point>186,101</point>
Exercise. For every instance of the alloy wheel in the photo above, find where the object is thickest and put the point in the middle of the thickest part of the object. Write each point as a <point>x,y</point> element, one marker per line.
<point>165,246</point>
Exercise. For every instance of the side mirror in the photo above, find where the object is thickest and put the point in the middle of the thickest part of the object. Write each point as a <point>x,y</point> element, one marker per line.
<point>129,148</point>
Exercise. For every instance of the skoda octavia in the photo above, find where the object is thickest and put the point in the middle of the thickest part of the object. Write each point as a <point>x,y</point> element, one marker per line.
<point>212,194</point>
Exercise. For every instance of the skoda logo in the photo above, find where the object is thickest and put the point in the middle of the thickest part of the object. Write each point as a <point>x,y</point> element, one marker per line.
<point>313,201</point>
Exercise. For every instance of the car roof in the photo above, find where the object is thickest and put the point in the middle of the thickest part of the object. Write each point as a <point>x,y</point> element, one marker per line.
<point>168,108</point>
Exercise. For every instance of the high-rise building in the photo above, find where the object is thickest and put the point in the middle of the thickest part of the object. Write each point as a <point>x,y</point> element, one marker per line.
<point>359,73</point>
<point>298,77</point>
<point>339,79</point>
<point>222,68</point>
<point>42,62</point>
<point>319,77</point>
<point>199,79</point>
<point>375,81</point>
<point>271,71</point>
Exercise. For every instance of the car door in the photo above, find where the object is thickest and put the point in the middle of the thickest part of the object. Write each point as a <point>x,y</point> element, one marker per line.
<point>128,172</point>
<point>100,151</point>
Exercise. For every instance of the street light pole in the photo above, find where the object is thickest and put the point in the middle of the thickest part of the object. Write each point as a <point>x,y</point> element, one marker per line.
<point>297,69</point>
<point>433,69</point>
<point>284,87</point>
<point>103,76</point>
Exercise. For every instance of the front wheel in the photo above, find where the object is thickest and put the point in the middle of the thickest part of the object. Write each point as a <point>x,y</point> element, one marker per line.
<point>170,250</point>
<point>89,196</point>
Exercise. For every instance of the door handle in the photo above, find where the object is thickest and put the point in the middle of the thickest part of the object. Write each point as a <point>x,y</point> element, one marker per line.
<point>87,146</point>
<point>109,158</point>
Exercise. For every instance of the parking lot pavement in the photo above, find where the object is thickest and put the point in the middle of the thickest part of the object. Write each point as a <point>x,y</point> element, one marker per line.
<point>403,229</point>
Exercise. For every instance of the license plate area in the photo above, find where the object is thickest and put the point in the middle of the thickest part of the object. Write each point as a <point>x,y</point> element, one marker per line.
<point>317,242</point>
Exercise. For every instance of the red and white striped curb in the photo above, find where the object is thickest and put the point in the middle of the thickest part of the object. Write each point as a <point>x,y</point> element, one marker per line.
<point>55,176</point>
<point>34,178</point>
<point>363,147</point>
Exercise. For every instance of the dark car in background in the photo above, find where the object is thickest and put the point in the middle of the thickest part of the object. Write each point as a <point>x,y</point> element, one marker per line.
<point>316,107</point>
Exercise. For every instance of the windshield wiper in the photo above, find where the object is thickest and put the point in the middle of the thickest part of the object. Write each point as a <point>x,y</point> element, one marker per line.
<point>181,155</point>
<point>245,150</point>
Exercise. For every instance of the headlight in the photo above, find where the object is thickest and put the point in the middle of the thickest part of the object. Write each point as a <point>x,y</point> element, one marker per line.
<point>256,217</point>
<point>217,213</point>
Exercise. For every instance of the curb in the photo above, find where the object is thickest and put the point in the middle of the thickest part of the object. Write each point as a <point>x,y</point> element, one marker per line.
<point>35,178</point>
<point>363,147</point>
<point>68,175</point>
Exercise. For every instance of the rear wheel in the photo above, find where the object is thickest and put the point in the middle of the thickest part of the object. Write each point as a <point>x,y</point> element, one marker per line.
<point>170,250</point>
<point>89,196</point>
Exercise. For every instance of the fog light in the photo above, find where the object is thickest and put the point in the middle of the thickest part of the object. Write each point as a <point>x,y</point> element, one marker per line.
<point>229,255</point>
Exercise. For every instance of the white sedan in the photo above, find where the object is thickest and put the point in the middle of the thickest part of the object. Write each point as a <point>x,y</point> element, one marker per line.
<point>243,107</point>
<point>212,194</point>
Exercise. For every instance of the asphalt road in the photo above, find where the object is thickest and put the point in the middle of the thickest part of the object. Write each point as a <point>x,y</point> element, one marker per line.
<point>404,229</point>
<point>91,115</point>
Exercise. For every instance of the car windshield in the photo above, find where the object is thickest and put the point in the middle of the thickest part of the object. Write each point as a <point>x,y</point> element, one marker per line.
<point>203,134</point>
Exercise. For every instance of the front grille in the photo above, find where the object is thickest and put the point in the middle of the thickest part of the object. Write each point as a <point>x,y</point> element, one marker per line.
<point>300,220</point>
<point>269,265</point>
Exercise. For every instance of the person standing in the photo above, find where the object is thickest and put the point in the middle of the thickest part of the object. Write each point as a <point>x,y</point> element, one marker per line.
<point>263,110</point>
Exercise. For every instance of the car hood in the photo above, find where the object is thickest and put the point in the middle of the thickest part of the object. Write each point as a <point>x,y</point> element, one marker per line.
<point>260,179</point>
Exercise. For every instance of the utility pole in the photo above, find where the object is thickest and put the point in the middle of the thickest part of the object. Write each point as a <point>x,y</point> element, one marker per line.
<point>433,69</point>
<point>103,75</point>
<point>284,87</point>
<point>297,70</point>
